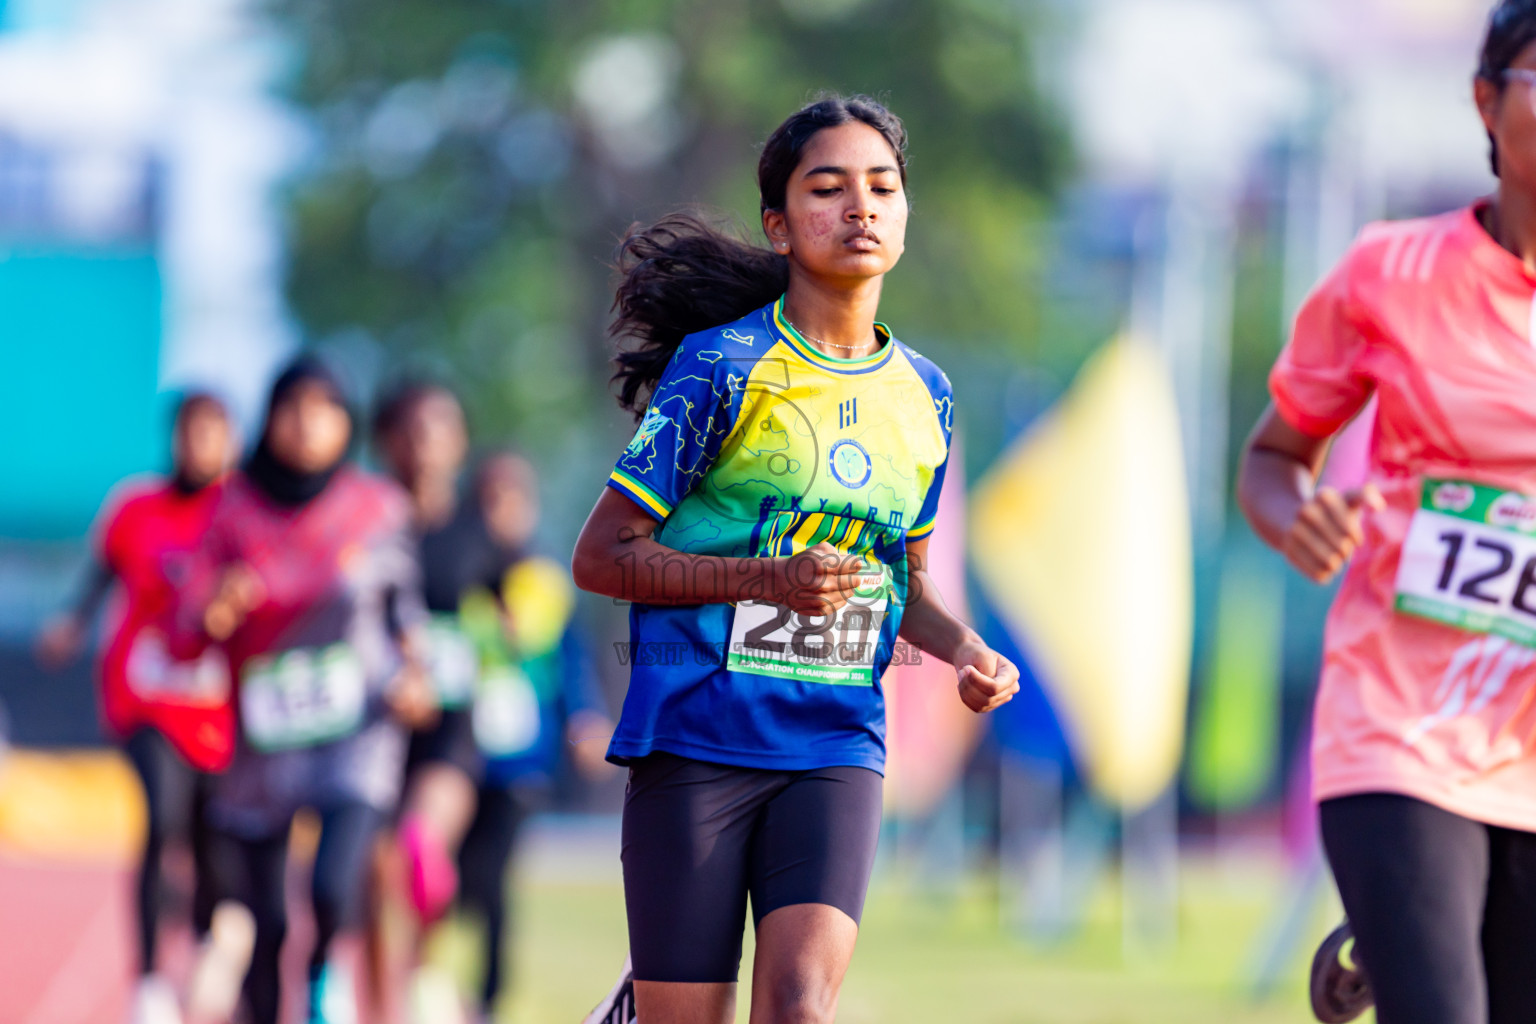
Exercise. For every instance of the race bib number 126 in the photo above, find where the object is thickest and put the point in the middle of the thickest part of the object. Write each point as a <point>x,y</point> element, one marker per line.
<point>1470,560</point>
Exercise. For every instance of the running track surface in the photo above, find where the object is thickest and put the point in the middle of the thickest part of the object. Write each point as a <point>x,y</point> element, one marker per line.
<point>66,945</point>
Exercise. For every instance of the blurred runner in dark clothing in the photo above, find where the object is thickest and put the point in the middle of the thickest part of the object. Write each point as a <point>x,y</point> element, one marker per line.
<point>420,433</point>
<point>538,698</point>
<point>421,437</point>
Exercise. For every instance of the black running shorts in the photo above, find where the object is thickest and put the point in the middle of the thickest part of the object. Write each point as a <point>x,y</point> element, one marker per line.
<point>699,838</point>
<point>450,740</point>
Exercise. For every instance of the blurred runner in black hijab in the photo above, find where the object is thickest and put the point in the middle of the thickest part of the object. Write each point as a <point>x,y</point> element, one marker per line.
<point>309,582</point>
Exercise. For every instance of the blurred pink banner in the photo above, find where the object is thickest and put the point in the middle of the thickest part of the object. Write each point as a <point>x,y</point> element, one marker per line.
<point>930,734</point>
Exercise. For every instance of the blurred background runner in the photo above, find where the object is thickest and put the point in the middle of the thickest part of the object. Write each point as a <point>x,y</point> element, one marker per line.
<point>308,581</point>
<point>512,679</point>
<point>172,717</point>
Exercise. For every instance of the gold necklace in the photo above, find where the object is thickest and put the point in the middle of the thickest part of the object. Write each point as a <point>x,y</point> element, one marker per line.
<point>829,344</point>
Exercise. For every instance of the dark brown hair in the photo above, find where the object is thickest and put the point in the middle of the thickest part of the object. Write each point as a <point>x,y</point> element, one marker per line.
<point>401,398</point>
<point>683,274</point>
<point>195,402</point>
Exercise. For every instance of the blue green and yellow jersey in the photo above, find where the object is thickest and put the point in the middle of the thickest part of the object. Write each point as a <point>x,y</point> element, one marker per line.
<point>756,444</point>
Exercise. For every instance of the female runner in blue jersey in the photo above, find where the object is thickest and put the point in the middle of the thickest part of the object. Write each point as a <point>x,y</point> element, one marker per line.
<point>769,524</point>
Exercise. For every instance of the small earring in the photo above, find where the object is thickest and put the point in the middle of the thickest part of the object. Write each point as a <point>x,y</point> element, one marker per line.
<point>781,246</point>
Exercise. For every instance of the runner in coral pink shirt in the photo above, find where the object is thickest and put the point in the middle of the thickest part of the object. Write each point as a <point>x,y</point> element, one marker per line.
<point>1429,665</point>
<point>1424,748</point>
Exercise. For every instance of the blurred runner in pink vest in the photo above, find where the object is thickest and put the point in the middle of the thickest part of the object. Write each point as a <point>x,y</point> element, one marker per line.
<point>308,581</point>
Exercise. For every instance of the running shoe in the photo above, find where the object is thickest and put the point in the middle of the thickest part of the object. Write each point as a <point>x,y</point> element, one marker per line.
<point>154,1002</point>
<point>619,1005</point>
<point>434,879</point>
<point>222,961</point>
<point>332,995</point>
<point>1340,990</point>
<point>435,998</point>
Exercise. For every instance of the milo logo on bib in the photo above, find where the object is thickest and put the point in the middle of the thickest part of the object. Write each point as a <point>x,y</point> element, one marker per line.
<point>1512,511</point>
<point>1469,560</point>
<point>1452,497</point>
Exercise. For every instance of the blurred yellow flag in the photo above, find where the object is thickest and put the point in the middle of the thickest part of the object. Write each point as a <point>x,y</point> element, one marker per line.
<point>1080,538</point>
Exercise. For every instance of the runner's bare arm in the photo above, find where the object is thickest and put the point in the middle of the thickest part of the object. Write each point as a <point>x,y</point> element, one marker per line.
<point>65,635</point>
<point>411,697</point>
<point>218,591</point>
<point>617,556</point>
<point>239,591</point>
<point>987,680</point>
<point>1317,529</point>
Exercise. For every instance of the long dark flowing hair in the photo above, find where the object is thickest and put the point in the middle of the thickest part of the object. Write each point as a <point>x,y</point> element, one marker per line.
<point>684,274</point>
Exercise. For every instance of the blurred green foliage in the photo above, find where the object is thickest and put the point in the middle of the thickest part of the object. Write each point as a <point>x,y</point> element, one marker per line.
<point>475,162</point>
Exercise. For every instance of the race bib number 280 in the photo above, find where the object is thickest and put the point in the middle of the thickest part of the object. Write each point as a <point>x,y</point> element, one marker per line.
<point>1470,560</point>
<point>835,648</point>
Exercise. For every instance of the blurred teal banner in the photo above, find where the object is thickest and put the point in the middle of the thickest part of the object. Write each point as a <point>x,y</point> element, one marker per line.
<point>25,15</point>
<point>79,384</point>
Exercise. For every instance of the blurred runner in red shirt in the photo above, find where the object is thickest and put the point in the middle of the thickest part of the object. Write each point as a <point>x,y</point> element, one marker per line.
<point>172,717</point>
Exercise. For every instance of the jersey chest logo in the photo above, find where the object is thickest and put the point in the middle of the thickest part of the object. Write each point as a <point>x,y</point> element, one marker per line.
<point>850,463</point>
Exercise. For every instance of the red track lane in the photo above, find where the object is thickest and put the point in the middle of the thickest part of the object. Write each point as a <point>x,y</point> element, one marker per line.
<point>65,942</point>
<point>67,947</point>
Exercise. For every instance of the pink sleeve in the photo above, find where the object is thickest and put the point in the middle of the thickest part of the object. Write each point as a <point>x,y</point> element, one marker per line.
<point>1317,383</point>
